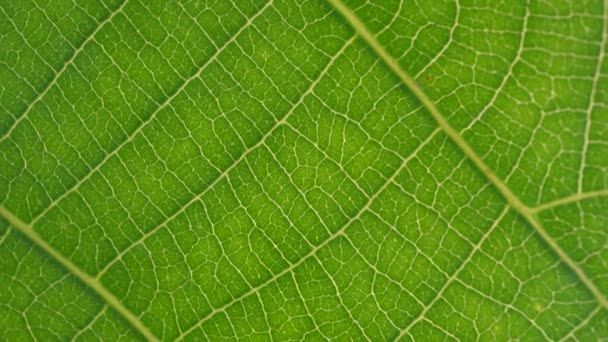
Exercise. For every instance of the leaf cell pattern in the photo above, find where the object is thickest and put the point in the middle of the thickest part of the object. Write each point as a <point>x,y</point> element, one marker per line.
<point>277,170</point>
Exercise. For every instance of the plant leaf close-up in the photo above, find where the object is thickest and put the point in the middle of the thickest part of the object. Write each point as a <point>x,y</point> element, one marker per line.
<point>303,170</point>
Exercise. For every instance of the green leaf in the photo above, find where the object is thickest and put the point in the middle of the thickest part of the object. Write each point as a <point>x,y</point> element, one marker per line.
<point>185,170</point>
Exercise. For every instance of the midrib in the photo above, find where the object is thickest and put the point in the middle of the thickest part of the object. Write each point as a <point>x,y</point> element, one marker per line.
<point>525,211</point>
<point>76,271</point>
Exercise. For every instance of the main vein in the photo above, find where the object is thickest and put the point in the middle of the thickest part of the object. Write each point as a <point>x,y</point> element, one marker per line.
<point>75,270</point>
<point>506,192</point>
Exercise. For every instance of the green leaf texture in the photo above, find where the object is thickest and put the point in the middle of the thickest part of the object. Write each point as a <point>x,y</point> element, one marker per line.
<point>303,170</point>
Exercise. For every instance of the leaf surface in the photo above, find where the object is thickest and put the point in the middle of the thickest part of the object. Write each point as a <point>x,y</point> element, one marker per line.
<point>304,170</point>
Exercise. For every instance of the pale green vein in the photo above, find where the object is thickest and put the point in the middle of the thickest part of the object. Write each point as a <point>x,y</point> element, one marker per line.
<point>91,323</point>
<point>511,198</point>
<point>571,199</point>
<point>5,235</point>
<point>584,322</point>
<point>76,271</point>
